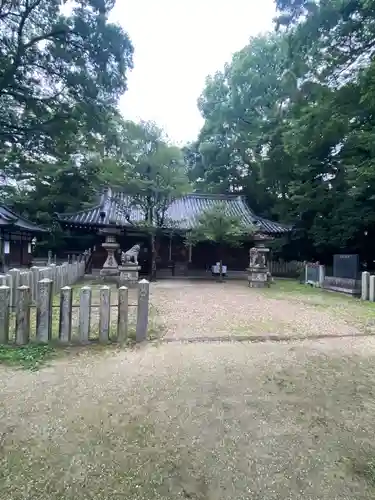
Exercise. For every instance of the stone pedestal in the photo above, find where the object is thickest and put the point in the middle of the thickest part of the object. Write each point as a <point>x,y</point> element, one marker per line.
<point>129,274</point>
<point>257,277</point>
<point>110,266</point>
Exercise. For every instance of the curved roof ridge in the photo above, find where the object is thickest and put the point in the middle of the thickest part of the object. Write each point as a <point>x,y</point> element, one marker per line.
<point>88,209</point>
<point>11,215</point>
<point>17,218</point>
<point>223,196</point>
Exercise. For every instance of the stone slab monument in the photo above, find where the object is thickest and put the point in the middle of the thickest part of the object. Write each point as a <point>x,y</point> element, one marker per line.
<point>258,275</point>
<point>129,268</point>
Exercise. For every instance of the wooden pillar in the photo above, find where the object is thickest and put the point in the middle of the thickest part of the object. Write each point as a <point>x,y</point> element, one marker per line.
<point>190,253</point>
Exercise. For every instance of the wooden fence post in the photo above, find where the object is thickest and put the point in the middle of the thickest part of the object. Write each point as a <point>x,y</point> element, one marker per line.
<point>53,277</point>
<point>65,325</point>
<point>35,273</point>
<point>15,274</point>
<point>44,311</point>
<point>142,313</point>
<point>84,314</point>
<point>24,278</point>
<point>6,280</point>
<point>23,315</point>
<point>4,313</point>
<point>123,314</point>
<point>104,313</point>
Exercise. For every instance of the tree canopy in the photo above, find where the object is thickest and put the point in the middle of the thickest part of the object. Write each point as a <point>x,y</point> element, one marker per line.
<point>63,66</point>
<point>289,122</point>
<point>59,68</point>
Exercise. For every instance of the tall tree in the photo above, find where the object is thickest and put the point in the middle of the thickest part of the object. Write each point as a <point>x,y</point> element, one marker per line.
<point>62,68</point>
<point>290,123</point>
<point>152,172</point>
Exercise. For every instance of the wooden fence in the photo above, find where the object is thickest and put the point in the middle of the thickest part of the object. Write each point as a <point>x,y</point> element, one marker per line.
<point>283,269</point>
<point>64,275</point>
<point>35,321</point>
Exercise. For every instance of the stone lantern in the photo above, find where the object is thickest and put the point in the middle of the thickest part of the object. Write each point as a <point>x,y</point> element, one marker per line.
<point>110,266</point>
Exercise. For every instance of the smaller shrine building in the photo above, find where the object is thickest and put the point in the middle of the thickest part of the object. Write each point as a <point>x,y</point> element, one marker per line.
<point>17,238</point>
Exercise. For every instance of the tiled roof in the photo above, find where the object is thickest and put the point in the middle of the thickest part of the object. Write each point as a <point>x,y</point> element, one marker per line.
<point>9,219</point>
<point>116,209</point>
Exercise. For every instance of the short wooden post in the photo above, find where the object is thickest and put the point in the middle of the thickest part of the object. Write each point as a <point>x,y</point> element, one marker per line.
<point>65,325</point>
<point>44,311</point>
<point>23,315</point>
<point>64,275</point>
<point>123,314</point>
<point>53,278</point>
<point>24,278</point>
<point>365,285</point>
<point>6,280</point>
<point>35,273</point>
<point>58,278</point>
<point>84,314</point>
<point>142,313</point>
<point>15,274</point>
<point>104,314</point>
<point>372,289</point>
<point>4,313</point>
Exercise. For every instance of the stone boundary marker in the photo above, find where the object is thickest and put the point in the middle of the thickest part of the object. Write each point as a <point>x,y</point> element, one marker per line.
<point>44,305</point>
<point>364,287</point>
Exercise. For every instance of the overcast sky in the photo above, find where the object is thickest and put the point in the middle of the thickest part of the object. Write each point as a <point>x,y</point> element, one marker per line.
<point>177,44</point>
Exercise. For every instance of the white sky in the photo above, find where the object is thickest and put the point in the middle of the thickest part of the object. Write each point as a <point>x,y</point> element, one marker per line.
<point>177,44</point>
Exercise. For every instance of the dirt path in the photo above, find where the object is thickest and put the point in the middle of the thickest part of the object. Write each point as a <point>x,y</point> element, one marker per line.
<point>190,310</point>
<point>201,421</point>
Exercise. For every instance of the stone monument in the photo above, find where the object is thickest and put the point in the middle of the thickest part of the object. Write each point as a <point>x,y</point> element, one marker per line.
<point>258,275</point>
<point>129,269</point>
<point>110,266</point>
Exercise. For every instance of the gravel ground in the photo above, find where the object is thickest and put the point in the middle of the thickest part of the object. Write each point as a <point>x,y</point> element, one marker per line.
<point>211,421</point>
<point>211,309</point>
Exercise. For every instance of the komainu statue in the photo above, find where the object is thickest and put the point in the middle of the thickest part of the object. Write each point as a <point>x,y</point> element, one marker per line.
<point>257,258</point>
<point>131,255</point>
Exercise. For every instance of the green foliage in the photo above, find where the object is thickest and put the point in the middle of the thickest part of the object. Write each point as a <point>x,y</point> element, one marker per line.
<point>62,67</point>
<point>289,123</point>
<point>30,357</point>
<point>149,169</point>
<point>218,226</point>
<point>243,107</point>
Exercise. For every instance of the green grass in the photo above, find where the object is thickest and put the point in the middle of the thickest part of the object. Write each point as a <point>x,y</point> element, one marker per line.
<point>30,357</point>
<point>352,309</point>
